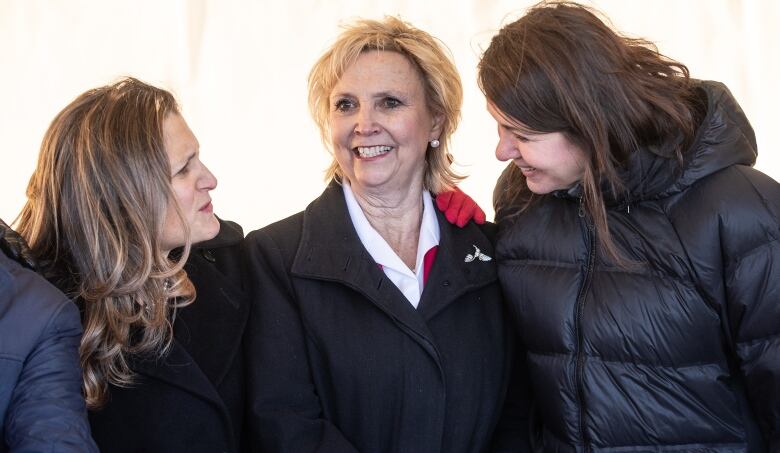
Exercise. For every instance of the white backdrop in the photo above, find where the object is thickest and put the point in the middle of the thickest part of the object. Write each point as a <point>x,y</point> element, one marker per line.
<point>239,70</point>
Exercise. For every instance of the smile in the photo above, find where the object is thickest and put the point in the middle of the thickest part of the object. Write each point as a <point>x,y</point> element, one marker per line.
<point>372,151</point>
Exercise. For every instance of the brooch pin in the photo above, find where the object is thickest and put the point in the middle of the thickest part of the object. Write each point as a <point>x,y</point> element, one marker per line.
<point>477,255</point>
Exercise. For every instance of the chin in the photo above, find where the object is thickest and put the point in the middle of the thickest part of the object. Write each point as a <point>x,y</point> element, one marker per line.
<point>207,230</point>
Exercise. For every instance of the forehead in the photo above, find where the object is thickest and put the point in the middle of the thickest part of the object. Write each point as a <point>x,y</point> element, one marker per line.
<point>505,120</point>
<point>179,140</point>
<point>380,70</point>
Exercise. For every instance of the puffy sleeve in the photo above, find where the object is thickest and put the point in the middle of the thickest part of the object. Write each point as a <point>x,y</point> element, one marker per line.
<point>751,245</point>
<point>285,414</point>
<point>729,223</point>
<point>47,410</point>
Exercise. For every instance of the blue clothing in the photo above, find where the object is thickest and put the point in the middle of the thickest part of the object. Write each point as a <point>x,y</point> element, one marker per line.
<point>41,404</point>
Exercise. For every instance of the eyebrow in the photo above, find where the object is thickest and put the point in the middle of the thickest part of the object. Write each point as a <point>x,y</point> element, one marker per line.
<point>381,94</point>
<point>186,162</point>
<point>518,130</point>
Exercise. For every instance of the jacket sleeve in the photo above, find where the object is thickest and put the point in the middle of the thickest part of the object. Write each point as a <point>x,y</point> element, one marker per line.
<point>285,414</point>
<point>47,410</point>
<point>751,247</point>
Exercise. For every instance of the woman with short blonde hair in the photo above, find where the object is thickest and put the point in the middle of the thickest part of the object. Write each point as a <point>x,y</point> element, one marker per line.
<point>376,325</point>
<point>431,59</point>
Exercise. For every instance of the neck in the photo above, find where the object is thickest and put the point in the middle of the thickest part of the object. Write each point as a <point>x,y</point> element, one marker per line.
<point>396,216</point>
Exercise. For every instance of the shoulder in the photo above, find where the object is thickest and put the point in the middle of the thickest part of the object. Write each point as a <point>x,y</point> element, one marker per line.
<point>30,308</point>
<point>284,235</point>
<point>484,232</point>
<point>739,203</point>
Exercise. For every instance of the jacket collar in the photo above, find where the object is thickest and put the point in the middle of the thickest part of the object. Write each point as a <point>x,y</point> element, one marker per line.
<point>330,250</point>
<point>724,138</point>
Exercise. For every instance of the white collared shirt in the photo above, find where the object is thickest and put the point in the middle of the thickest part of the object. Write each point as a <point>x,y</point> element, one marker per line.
<point>409,282</point>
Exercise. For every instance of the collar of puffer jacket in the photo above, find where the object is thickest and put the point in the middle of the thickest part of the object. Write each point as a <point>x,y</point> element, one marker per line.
<point>724,138</point>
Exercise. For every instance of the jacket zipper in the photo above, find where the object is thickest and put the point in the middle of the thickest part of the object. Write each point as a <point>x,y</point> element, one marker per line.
<point>591,235</point>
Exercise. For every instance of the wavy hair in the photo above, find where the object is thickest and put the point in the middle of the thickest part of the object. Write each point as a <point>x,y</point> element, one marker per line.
<point>94,217</point>
<point>559,68</point>
<point>441,82</point>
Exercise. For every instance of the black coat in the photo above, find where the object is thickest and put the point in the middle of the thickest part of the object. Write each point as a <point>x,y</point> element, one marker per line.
<point>191,400</point>
<point>680,352</point>
<point>340,361</point>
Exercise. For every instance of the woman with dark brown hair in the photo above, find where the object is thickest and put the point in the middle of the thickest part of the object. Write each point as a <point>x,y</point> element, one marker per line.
<point>638,248</point>
<point>120,217</point>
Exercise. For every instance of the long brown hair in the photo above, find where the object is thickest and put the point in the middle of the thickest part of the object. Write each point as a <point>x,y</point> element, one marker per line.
<point>559,68</point>
<point>94,217</point>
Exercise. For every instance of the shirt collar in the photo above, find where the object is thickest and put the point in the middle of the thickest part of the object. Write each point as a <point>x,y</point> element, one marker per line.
<point>376,245</point>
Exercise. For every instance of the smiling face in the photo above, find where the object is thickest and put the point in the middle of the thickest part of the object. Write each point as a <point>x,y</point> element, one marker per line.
<point>191,182</point>
<point>380,124</point>
<point>549,161</point>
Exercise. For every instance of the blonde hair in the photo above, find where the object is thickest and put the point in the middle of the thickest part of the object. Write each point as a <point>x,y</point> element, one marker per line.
<point>443,90</point>
<point>94,218</point>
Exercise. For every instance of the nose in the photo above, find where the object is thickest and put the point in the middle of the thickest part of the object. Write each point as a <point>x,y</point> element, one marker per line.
<point>366,122</point>
<point>506,149</point>
<point>207,180</point>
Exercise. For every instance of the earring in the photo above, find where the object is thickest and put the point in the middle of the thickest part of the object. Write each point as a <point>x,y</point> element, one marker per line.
<point>435,143</point>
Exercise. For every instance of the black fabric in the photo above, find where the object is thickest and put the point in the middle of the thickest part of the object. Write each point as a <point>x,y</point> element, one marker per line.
<point>192,399</point>
<point>15,247</point>
<point>681,351</point>
<point>340,361</point>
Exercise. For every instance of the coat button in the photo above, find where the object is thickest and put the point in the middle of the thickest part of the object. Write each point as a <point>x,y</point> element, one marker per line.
<point>208,255</point>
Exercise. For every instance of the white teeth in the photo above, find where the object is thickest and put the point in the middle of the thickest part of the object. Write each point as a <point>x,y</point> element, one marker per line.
<point>372,151</point>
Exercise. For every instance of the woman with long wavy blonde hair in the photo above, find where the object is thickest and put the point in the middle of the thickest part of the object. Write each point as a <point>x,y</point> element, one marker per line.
<point>118,187</point>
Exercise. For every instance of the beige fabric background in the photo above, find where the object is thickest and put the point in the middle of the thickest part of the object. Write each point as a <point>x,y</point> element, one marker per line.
<point>239,69</point>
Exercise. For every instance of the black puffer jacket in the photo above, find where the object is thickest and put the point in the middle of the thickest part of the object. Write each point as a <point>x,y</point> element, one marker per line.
<point>680,352</point>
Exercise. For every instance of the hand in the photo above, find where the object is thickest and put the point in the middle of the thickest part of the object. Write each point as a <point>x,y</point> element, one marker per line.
<point>459,208</point>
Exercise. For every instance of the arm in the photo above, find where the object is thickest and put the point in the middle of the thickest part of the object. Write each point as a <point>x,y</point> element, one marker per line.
<point>285,414</point>
<point>47,410</point>
<point>752,284</point>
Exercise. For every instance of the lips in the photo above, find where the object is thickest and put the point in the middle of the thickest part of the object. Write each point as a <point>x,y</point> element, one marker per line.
<point>527,170</point>
<point>207,208</point>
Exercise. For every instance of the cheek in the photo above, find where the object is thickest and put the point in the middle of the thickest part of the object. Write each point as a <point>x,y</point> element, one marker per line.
<point>339,132</point>
<point>184,193</point>
<point>417,126</point>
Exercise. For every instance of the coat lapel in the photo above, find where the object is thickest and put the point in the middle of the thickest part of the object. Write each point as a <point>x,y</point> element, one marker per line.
<point>211,328</point>
<point>208,332</point>
<point>452,274</point>
<point>178,369</point>
<point>331,250</point>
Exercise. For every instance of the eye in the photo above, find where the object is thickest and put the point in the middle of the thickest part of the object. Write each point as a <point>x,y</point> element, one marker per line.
<point>390,102</point>
<point>343,105</point>
<point>184,170</point>
<point>522,138</point>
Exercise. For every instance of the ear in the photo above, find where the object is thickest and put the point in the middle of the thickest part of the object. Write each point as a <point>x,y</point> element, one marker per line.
<point>436,126</point>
